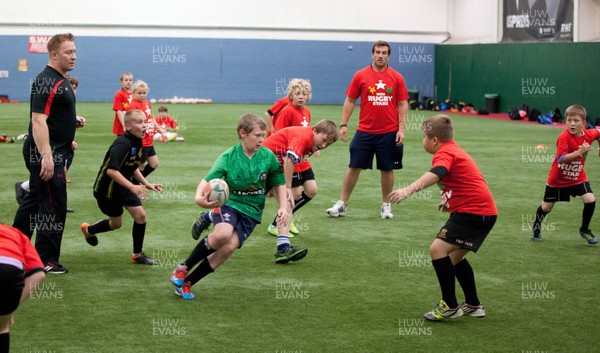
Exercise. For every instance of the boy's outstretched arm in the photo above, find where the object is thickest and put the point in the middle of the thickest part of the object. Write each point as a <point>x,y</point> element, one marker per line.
<point>425,181</point>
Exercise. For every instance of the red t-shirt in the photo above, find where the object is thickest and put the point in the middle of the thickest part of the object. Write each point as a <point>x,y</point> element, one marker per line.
<point>295,142</point>
<point>379,94</point>
<point>463,188</point>
<point>290,115</point>
<point>147,109</point>
<point>166,122</point>
<point>276,109</point>
<point>120,103</point>
<point>572,173</point>
<point>16,248</point>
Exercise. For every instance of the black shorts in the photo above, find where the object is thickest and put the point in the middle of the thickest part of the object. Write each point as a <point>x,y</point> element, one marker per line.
<point>113,207</point>
<point>147,152</point>
<point>12,281</point>
<point>553,194</point>
<point>467,230</point>
<point>365,145</point>
<point>298,179</point>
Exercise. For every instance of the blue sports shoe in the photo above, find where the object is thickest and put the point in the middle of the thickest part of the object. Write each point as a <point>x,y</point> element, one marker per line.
<point>185,291</point>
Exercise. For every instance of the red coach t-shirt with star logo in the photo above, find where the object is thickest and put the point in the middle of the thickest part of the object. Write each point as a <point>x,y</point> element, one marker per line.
<point>379,94</point>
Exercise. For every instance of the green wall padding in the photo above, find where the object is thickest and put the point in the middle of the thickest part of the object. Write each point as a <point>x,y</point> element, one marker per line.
<point>542,75</point>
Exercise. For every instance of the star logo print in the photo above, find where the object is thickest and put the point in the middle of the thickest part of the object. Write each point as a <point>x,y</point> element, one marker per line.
<point>304,122</point>
<point>226,217</point>
<point>380,85</point>
<point>372,89</point>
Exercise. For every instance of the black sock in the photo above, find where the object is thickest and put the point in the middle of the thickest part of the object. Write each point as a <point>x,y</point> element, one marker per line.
<point>537,223</point>
<point>147,170</point>
<point>200,272</point>
<point>466,279</point>
<point>100,227</point>
<point>200,252</point>
<point>303,200</point>
<point>588,212</point>
<point>445,274</point>
<point>138,232</point>
<point>4,342</point>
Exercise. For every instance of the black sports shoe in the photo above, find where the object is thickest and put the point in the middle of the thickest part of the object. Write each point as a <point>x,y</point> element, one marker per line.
<point>200,225</point>
<point>291,253</point>
<point>19,192</point>
<point>70,210</point>
<point>142,259</point>
<point>56,269</point>
<point>89,238</point>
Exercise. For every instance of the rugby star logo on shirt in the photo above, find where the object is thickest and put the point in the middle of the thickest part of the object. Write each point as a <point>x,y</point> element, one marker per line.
<point>379,94</point>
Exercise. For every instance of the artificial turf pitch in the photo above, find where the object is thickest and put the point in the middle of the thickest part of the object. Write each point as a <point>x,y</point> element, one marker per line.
<point>365,283</point>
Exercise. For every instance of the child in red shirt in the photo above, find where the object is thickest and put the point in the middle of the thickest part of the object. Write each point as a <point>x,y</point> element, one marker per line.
<point>121,102</point>
<point>21,272</point>
<point>567,177</point>
<point>139,102</point>
<point>296,113</point>
<point>473,213</point>
<point>164,120</point>
<point>292,145</point>
<point>273,111</point>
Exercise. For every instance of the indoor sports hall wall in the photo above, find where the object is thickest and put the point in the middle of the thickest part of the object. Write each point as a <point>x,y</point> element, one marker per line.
<point>224,70</point>
<point>542,75</point>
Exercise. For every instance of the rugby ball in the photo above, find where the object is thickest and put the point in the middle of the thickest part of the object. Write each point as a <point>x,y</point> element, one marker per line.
<point>217,190</point>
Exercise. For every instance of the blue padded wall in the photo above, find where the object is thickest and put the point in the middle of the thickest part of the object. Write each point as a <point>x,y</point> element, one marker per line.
<point>225,70</point>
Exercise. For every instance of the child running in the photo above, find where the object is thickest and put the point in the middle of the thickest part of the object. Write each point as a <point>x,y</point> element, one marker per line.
<point>114,189</point>
<point>567,177</point>
<point>249,170</point>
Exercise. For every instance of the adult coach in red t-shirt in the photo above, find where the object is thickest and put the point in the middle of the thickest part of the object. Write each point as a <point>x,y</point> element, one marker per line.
<point>383,108</point>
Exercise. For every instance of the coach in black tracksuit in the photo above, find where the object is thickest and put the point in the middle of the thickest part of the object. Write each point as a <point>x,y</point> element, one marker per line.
<point>51,131</point>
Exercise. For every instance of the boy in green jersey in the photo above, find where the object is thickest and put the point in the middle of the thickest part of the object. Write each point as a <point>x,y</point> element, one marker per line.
<point>249,170</point>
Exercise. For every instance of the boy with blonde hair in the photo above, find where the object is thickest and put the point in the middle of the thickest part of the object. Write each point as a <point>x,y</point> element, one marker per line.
<point>114,188</point>
<point>296,113</point>
<point>149,157</point>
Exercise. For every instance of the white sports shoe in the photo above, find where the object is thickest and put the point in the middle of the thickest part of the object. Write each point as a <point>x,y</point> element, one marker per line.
<point>338,210</point>
<point>386,211</point>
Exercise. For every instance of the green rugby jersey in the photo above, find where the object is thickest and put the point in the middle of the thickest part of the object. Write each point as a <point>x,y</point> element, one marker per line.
<point>248,178</point>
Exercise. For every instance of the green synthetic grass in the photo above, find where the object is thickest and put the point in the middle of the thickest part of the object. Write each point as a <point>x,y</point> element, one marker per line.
<point>363,286</point>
